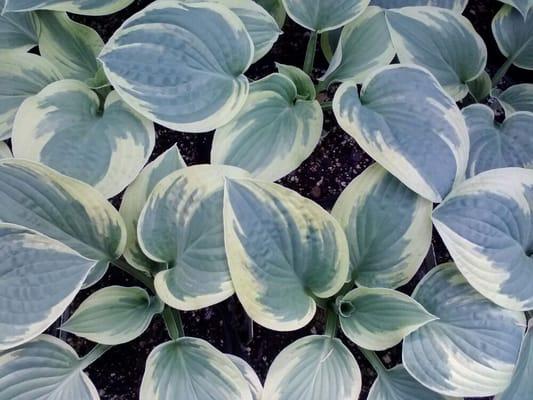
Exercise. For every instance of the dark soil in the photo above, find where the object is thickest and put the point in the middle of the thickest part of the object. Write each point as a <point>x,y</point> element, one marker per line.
<point>335,162</point>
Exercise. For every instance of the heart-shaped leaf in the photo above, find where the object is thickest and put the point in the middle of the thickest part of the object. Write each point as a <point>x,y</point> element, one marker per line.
<point>324,15</point>
<point>365,44</point>
<point>455,5</point>
<point>63,128</point>
<point>283,251</point>
<point>275,8</point>
<point>46,368</point>
<point>314,368</point>
<point>442,41</point>
<point>378,319</point>
<point>521,385</point>
<point>192,369</point>
<point>21,76</point>
<point>487,225</point>
<point>494,145</point>
<point>172,70</point>
<point>305,87</point>
<point>516,98</point>
<point>83,7</point>
<point>181,226</point>
<point>273,133</point>
<point>397,384</point>
<point>135,198</point>
<point>388,227</point>
<point>62,208</point>
<point>406,122</point>
<point>521,5</point>
<point>40,277</point>
<point>19,31</point>
<point>114,315</point>
<point>514,36</point>
<point>250,375</point>
<point>471,350</point>
<point>5,151</point>
<point>70,46</point>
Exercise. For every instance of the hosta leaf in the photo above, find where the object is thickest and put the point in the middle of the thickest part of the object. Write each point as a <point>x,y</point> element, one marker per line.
<point>397,384</point>
<point>256,388</point>
<point>275,8</point>
<point>5,151</point>
<point>114,315</point>
<point>283,251</point>
<point>192,369</point>
<point>521,5</point>
<point>314,368</point>
<point>18,31</point>
<point>46,368</point>
<point>167,66</point>
<point>406,122</point>
<point>21,76</point>
<point>388,227</point>
<point>521,385</point>
<point>60,207</point>
<point>494,145</point>
<point>365,44</point>
<point>305,87</point>
<point>378,319</point>
<point>181,225</point>
<point>455,5</point>
<point>442,41</point>
<point>106,149</point>
<point>83,7</point>
<point>487,225</point>
<point>40,277</point>
<point>97,273</point>
<point>135,198</point>
<point>514,35</point>
<point>480,87</point>
<point>324,15</point>
<point>472,348</point>
<point>329,41</point>
<point>273,133</point>
<point>70,46</point>
<point>516,98</point>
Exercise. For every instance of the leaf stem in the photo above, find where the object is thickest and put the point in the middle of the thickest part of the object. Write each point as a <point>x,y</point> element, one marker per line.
<point>310,53</point>
<point>326,105</point>
<point>332,320</point>
<point>498,76</point>
<point>135,273</point>
<point>374,360</point>
<point>173,323</point>
<point>93,355</point>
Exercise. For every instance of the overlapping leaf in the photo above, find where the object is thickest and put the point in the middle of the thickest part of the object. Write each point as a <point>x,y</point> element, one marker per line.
<point>521,5</point>
<point>5,151</point>
<point>256,388</point>
<point>275,8</point>
<point>455,5</point>
<point>514,35</point>
<point>18,31</point>
<point>516,98</point>
<point>83,7</point>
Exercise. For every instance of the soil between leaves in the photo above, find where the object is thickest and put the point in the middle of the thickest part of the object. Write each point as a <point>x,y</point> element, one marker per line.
<point>332,166</point>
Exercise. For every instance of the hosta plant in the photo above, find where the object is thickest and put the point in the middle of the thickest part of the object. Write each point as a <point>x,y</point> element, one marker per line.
<point>407,79</point>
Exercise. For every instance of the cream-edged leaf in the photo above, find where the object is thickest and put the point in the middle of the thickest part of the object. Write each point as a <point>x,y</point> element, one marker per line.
<point>40,277</point>
<point>21,76</point>
<point>305,88</point>
<point>165,64</point>
<point>314,368</point>
<point>471,350</point>
<point>516,98</point>
<point>256,388</point>
<point>272,134</point>
<point>283,251</point>
<point>275,8</point>
<point>388,228</point>
<point>181,225</point>
<point>36,197</point>
<point>521,5</point>
<point>498,145</point>
<point>486,224</point>
<point>364,45</point>
<point>329,41</point>
<point>135,198</point>
<point>514,35</point>
<point>45,368</point>
<point>442,41</point>
<point>67,128</point>
<point>114,315</point>
<point>324,15</point>
<point>5,151</point>
<point>192,369</point>
<point>378,319</point>
<point>405,121</point>
<point>455,5</point>
<point>18,31</point>
<point>82,7</point>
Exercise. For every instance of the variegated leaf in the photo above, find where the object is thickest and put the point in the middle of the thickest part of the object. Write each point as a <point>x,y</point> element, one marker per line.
<point>521,5</point>
<point>314,368</point>
<point>516,98</point>
<point>83,7</point>
<point>167,66</point>
<point>275,8</point>
<point>329,42</point>
<point>18,31</point>
<point>487,225</point>
<point>283,251</point>
<point>494,145</point>
<point>305,87</point>
<point>67,128</point>
<point>273,133</point>
<point>455,5</point>
<point>471,350</point>
<point>256,388</point>
<point>405,120</point>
